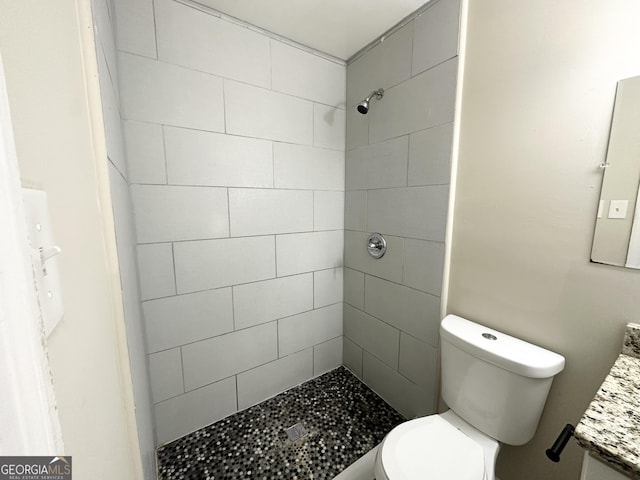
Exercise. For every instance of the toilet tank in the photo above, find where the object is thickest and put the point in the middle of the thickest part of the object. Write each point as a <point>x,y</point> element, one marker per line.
<point>497,383</point>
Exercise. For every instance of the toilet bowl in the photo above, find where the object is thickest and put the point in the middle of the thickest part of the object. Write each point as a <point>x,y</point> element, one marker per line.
<point>438,447</point>
<point>496,387</point>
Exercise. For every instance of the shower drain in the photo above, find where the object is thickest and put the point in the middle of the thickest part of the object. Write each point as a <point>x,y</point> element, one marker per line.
<point>296,432</point>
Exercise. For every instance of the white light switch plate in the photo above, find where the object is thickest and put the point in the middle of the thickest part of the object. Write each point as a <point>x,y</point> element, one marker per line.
<point>618,208</point>
<point>43,257</point>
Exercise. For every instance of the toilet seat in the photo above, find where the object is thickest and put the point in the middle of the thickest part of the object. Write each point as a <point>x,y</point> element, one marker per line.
<point>429,448</point>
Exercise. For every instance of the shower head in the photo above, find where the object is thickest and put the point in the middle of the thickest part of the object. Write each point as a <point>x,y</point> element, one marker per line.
<point>363,106</point>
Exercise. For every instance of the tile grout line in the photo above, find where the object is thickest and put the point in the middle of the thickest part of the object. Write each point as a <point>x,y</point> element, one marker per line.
<point>237,394</point>
<point>275,255</point>
<point>164,151</point>
<point>313,210</point>
<point>229,212</point>
<point>155,26</point>
<point>271,64</point>
<point>184,384</point>
<point>175,275</point>
<point>277,339</point>
<point>239,135</point>
<point>224,105</point>
<point>413,39</point>
<point>233,307</point>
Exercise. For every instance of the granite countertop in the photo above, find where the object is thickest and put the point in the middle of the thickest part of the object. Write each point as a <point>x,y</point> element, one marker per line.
<point>610,428</point>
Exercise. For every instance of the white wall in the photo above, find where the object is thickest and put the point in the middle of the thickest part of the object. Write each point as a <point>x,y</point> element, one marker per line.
<point>539,88</point>
<point>104,18</point>
<point>235,144</point>
<point>28,409</point>
<point>397,181</point>
<point>51,77</point>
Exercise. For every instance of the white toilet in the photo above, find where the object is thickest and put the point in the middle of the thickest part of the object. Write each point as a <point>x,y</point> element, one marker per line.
<point>495,386</point>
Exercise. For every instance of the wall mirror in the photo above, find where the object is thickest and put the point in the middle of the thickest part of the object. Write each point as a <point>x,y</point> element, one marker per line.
<point>616,239</point>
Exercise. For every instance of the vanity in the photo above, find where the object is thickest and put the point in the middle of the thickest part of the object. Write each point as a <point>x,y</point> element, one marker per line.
<point>609,430</point>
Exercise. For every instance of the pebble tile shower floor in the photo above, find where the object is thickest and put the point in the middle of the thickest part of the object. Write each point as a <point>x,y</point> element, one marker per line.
<point>342,419</point>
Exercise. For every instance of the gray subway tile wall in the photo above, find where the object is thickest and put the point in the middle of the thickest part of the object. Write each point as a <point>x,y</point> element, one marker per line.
<point>399,391</point>
<point>255,211</point>
<point>261,113</point>
<point>213,359</point>
<point>380,165</point>
<point>165,368</point>
<point>145,143</point>
<point>398,166</point>
<point>307,168</point>
<point>328,211</point>
<point>167,213</point>
<point>120,174</point>
<point>195,157</point>
<point>236,156</point>
<point>299,332</point>
<point>207,264</point>
<point>410,212</point>
<point>111,118</point>
<point>327,323</point>
<point>136,32</point>
<point>236,146</point>
<point>196,312</point>
<point>328,287</point>
<point>407,309</point>
<point>167,94</point>
<point>357,127</point>
<point>306,252</point>
<point>329,124</point>
<point>155,267</point>
<point>354,288</point>
<point>372,334</point>
<point>309,68</point>
<point>261,302</point>
<point>423,265</point>
<point>435,168</point>
<point>355,211</point>
<point>208,44</point>
<point>295,333</point>
<point>425,100</point>
<point>384,66</point>
<point>188,412</point>
<point>442,23</point>
<point>356,256</point>
<point>352,356</point>
<point>326,355</point>
<point>418,360</point>
<point>275,377</point>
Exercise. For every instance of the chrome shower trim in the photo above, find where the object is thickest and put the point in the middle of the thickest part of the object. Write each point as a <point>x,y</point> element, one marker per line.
<point>363,106</point>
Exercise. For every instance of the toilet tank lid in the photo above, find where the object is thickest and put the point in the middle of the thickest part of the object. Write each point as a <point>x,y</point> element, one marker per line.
<point>500,349</point>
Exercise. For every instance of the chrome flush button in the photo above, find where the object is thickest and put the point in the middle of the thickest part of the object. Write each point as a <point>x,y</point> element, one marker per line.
<point>489,336</point>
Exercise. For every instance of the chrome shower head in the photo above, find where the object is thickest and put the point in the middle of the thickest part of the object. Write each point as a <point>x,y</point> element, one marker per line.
<point>363,106</point>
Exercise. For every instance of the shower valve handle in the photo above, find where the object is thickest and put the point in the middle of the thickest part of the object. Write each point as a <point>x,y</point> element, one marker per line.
<point>376,245</point>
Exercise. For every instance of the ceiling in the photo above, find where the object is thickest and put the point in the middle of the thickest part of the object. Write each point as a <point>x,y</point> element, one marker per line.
<point>337,27</point>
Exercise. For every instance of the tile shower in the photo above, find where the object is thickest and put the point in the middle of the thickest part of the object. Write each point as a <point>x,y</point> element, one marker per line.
<point>227,161</point>
<point>339,419</point>
<point>397,182</point>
